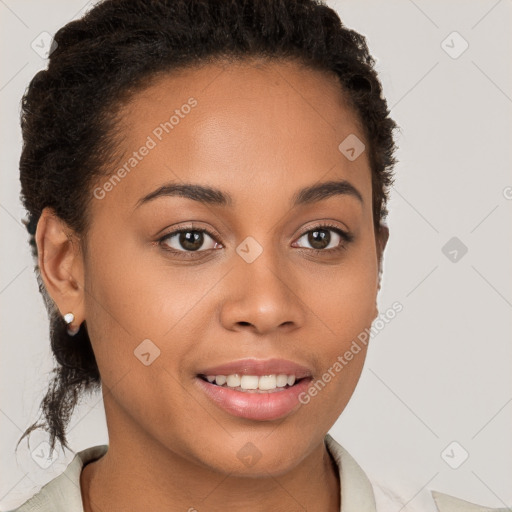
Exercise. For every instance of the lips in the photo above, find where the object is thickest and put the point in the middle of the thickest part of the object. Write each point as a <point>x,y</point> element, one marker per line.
<point>258,367</point>
<point>264,406</point>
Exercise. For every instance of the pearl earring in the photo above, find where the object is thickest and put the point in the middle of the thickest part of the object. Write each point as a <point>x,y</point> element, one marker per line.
<point>68,318</point>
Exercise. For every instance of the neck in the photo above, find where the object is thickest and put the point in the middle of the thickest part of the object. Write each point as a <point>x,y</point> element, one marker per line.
<point>141,474</point>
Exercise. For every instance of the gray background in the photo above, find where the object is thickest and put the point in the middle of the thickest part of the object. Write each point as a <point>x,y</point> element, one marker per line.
<point>440,371</point>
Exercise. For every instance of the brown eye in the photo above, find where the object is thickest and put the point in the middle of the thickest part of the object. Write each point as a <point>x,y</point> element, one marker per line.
<point>319,239</point>
<point>187,240</point>
<point>325,238</point>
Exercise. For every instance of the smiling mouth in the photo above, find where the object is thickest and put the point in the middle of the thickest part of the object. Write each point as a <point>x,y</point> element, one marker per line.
<point>245,390</point>
<point>255,397</point>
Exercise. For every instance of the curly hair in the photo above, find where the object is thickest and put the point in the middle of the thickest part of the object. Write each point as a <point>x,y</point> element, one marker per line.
<point>98,62</point>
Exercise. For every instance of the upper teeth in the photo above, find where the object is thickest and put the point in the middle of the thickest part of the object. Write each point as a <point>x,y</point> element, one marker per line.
<point>265,382</point>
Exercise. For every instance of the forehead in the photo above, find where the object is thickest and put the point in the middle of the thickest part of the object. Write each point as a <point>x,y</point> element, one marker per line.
<point>274,125</point>
<point>282,91</point>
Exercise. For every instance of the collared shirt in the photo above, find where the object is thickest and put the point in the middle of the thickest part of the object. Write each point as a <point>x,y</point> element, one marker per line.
<point>63,493</point>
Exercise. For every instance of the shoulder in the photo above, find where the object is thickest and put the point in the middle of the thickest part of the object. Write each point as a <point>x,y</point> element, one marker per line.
<point>360,494</point>
<point>63,493</point>
<point>447,503</point>
<point>356,488</point>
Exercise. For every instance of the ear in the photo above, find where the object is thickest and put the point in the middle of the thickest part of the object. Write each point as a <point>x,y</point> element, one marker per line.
<point>61,264</point>
<point>381,238</point>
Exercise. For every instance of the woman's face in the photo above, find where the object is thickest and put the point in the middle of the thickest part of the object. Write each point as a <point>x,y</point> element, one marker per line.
<point>263,281</point>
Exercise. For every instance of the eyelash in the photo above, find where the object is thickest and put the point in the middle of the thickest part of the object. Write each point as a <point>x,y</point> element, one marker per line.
<point>345,236</point>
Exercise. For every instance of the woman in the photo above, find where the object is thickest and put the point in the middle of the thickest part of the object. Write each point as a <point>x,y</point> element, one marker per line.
<point>206,185</point>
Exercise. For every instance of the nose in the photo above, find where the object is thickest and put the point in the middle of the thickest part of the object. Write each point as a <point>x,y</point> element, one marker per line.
<point>263,296</point>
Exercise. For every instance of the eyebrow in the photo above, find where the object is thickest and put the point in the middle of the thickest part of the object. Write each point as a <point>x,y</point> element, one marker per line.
<point>213,196</point>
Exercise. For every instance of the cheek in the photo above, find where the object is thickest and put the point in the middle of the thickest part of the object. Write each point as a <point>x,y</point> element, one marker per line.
<point>134,294</point>
<point>343,296</point>
<point>344,302</point>
<point>122,302</point>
